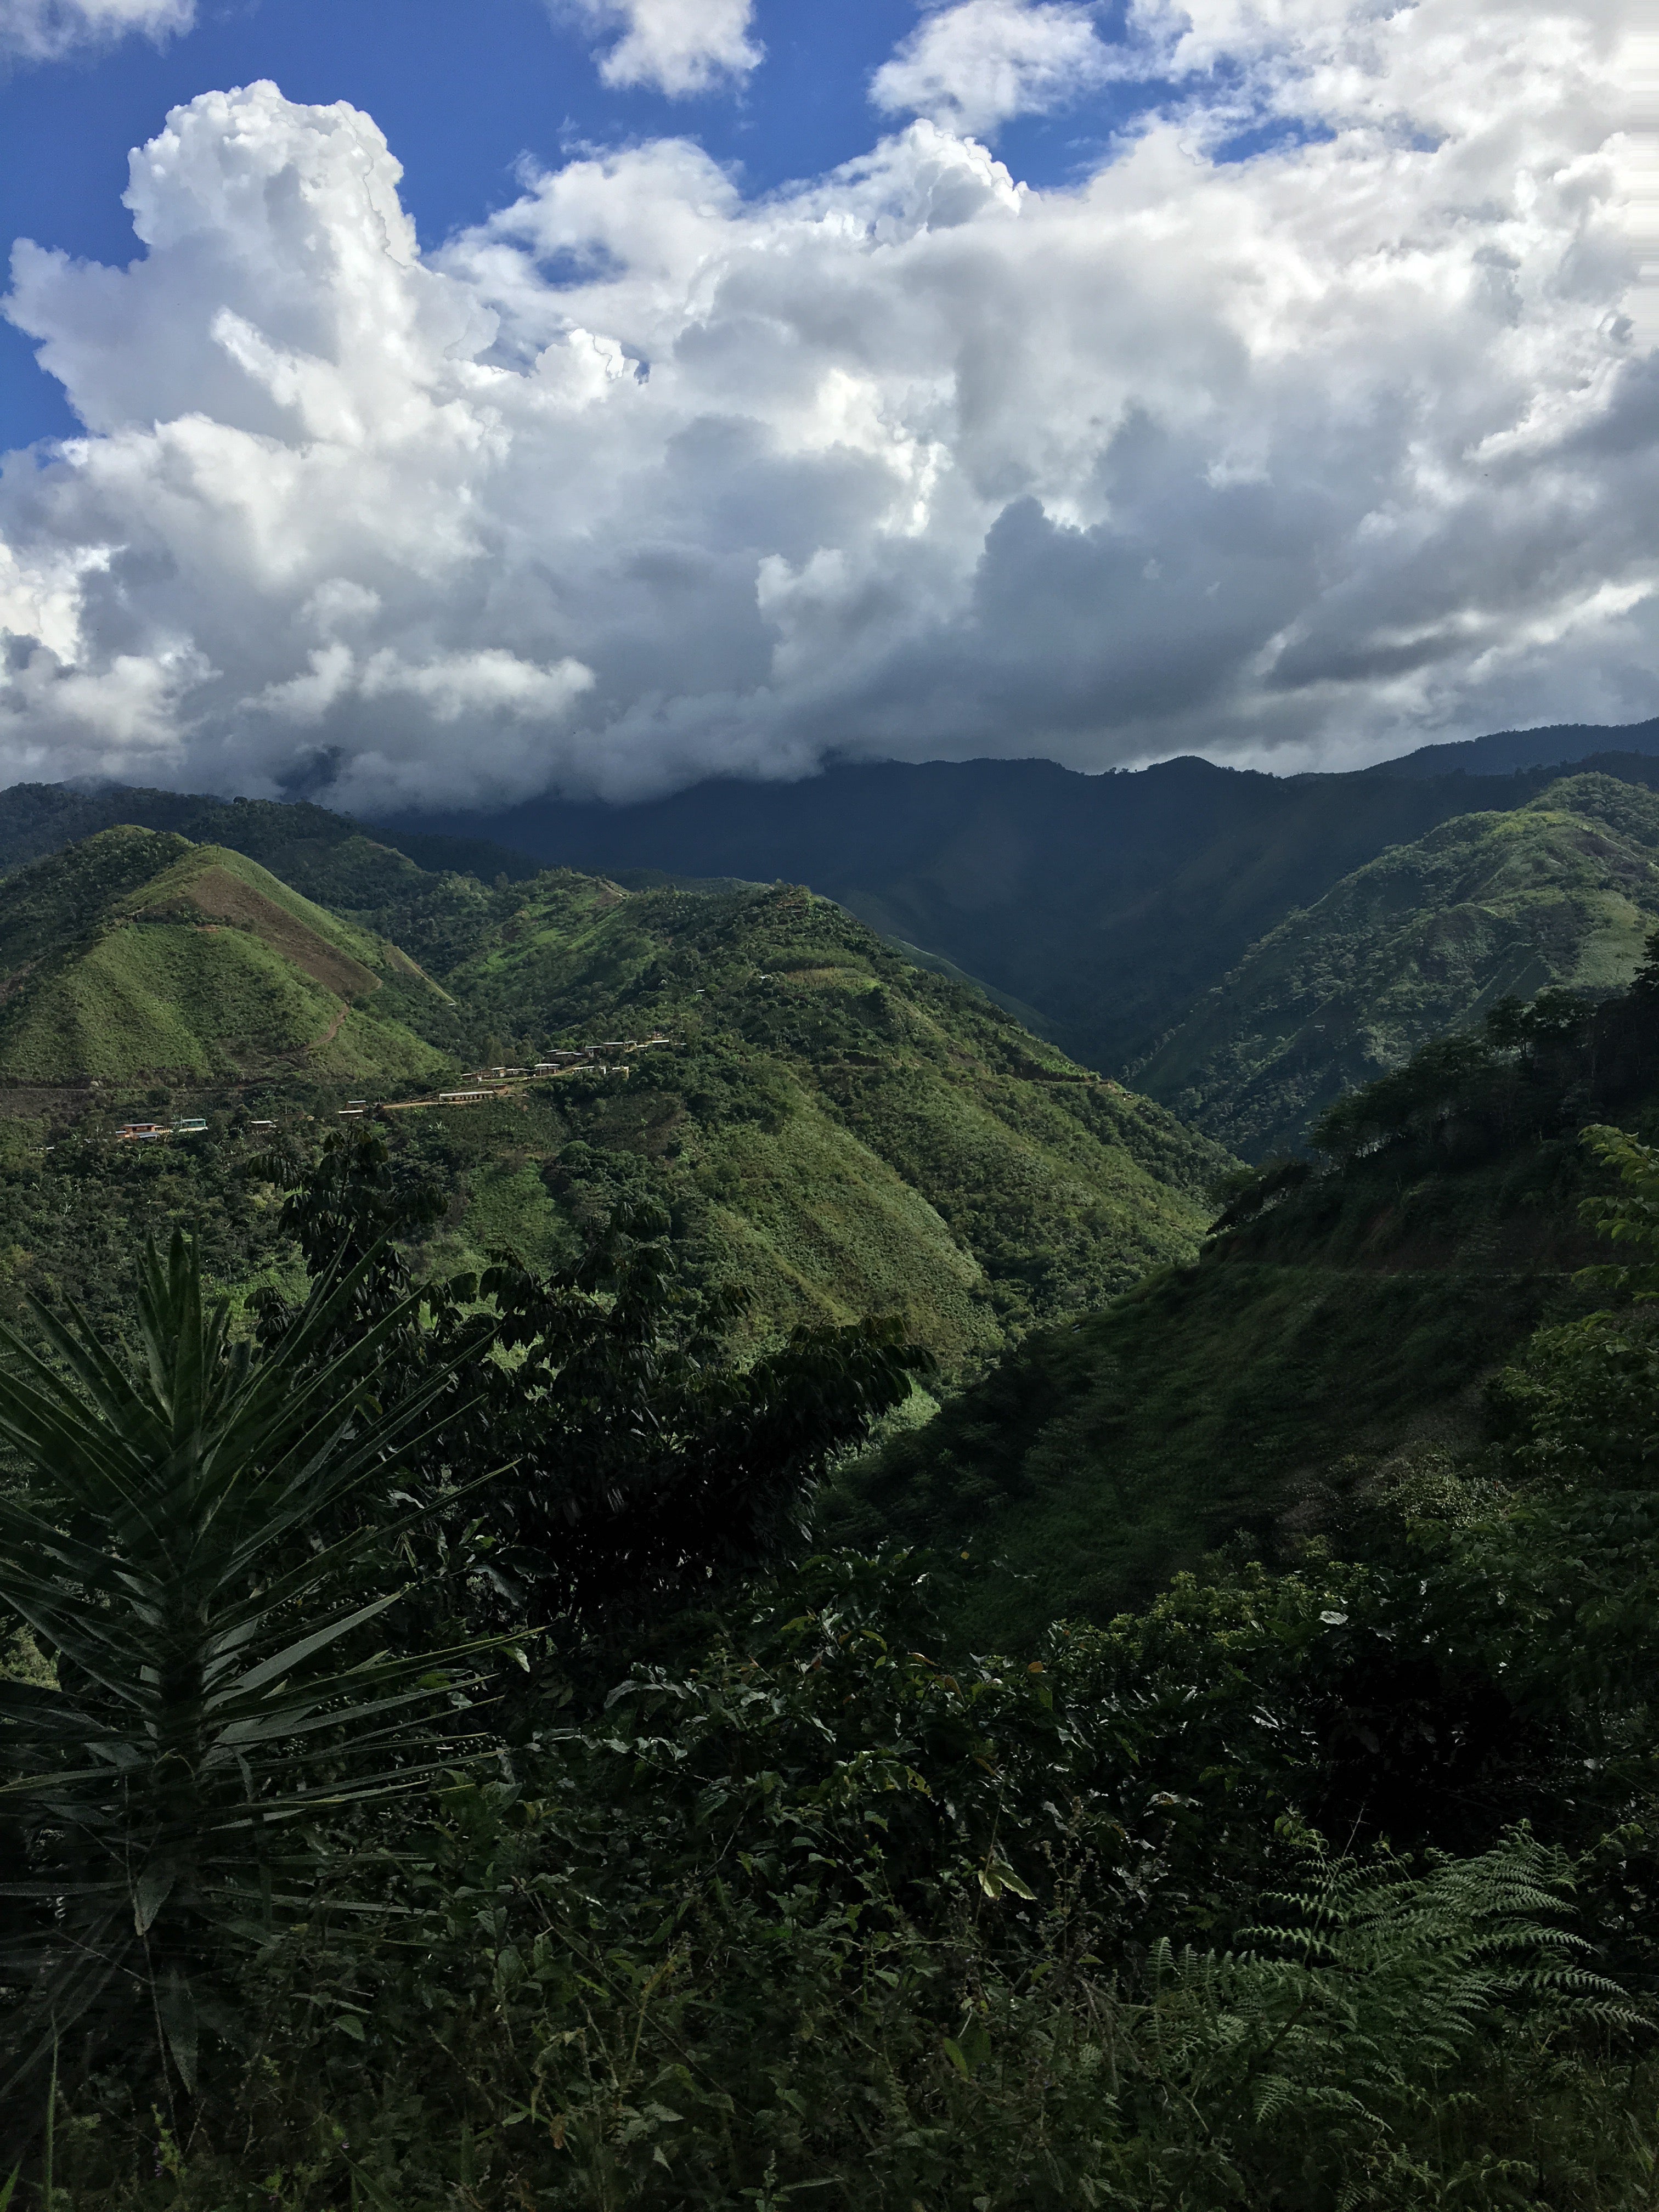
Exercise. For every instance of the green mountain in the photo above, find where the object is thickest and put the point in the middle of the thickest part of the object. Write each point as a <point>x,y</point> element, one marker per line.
<point>841,1131</point>
<point>1333,1338</point>
<point>857,1134</point>
<point>1420,940</point>
<point>1099,910</point>
<point>136,955</point>
<point>1109,904</point>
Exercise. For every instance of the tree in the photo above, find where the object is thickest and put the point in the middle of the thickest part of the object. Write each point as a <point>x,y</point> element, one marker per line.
<point>212,1688</point>
<point>650,1463</point>
<point>651,1460</point>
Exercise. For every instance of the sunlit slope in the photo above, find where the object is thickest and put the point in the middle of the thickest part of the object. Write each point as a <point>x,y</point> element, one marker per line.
<point>1420,940</point>
<point>136,953</point>
<point>857,1123</point>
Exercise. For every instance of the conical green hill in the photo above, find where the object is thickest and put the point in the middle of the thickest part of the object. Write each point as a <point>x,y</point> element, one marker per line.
<point>136,954</point>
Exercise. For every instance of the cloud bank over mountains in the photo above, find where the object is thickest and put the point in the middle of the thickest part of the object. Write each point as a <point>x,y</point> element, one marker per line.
<point>1289,456</point>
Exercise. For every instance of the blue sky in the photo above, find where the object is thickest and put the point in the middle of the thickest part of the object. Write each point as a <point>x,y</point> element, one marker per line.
<point>463,90</point>
<point>728,385</point>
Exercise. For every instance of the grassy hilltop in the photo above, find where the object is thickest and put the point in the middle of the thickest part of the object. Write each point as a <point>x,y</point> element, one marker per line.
<point>137,955</point>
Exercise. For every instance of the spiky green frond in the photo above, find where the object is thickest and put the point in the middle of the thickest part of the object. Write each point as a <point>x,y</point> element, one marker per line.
<point>213,1686</point>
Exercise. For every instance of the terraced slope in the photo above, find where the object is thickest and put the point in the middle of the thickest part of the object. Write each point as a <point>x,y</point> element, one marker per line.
<point>1420,940</point>
<point>136,954</point>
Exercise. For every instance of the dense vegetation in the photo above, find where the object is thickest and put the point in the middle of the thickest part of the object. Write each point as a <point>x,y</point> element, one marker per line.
<point>824,1085</point>
<point>496,1709</point>
<point>847,1133</point>
<point>730,1875</point>
<point>326,856</point>
<point>1334,1332</point>
<point>1421,941</point>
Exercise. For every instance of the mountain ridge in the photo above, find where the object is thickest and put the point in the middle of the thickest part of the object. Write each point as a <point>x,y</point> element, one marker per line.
<point>1419,942</point>
<point>1104,911</point>
<point>1108,903</point>
<point>1507,752</point>
<point>842,1133</point>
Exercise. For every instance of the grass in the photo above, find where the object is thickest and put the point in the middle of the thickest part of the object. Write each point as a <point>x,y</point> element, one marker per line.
<point>138,956</point>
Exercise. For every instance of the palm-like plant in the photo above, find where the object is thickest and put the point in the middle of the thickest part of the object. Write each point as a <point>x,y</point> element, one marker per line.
<point>207,1705</point>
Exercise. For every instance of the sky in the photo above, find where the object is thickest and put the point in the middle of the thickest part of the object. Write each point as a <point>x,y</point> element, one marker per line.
<point>432,407</point>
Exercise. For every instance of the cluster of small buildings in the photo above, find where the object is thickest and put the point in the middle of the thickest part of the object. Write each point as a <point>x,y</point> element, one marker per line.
<point>560,1061</point>
<point>608,1057</point>
<point>155,1133</point>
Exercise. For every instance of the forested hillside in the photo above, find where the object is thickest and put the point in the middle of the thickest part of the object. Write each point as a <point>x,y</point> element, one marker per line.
<point>325,855</point>
<point>841,1132</point>
<point>1421,941</point>
<point>1100,910</point>
<point>1335,1334</point>
<point>1109,903</point>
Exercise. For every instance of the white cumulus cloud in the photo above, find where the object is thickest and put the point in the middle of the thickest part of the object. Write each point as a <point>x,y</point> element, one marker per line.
<point>982,62</point>
<point>676,47</point>
<point>1302,457</point>
<point>38,30</point>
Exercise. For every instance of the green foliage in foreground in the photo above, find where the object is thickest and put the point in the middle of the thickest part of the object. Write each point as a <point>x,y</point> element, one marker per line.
<point>200,1638</point>
<point>822,1914</point>
<point>1326,1887</point>
<point>648,1456</point>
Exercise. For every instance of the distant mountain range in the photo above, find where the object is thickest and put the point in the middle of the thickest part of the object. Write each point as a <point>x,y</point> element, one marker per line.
<point>1508,750</point>
<point>1107,905</point>
<point>1111,913</point>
